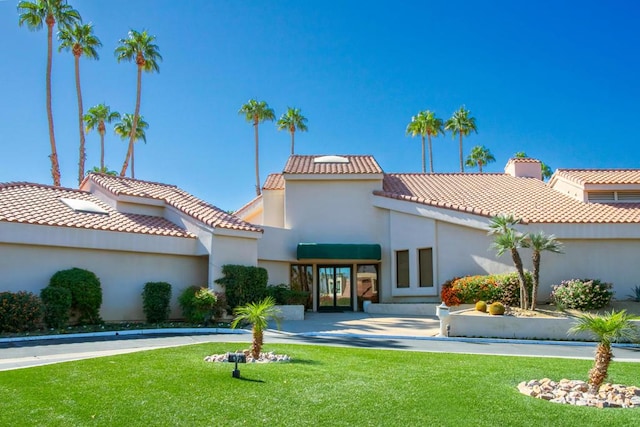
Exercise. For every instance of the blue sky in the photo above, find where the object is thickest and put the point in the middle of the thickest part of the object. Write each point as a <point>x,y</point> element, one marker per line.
<point>556,79</point>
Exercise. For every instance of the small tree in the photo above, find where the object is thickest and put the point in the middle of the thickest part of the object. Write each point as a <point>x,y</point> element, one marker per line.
<point>156,301</point>
<point>258,315</point>
<point>612,327</point>
<point>539,242</point>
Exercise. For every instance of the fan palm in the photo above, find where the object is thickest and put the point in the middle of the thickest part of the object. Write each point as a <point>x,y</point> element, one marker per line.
<point>425,123</point>
<point>96,117</point>
<point>258,315</point>
<point>80,40</point>
<point>480,155</point>
<point>292,120</point>
<point>105,170</point>
<point>124,129</point>
<point>34,14</point>
<point>137,47</point>
<point>461,124</point>
<point>257,112</point>
<point>538,243</point>
<point>507,238</point>
<point>607,329</point>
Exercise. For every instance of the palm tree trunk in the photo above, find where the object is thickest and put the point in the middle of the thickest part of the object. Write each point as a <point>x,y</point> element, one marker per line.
<point>55,166</point>
<point>255,128</point>
<point>256,346</point>
<point>480,166</point>
<point>598,373</point>
<point>292,132</point>
<point>536,278</point>
<point>83,154</point>
<point>461,162</point>
<point>133,150</point>
<point>133,126</point>
<point>517,261</point>
<point>102,150</point>
<point>430,154</point>
<point>423,157</point>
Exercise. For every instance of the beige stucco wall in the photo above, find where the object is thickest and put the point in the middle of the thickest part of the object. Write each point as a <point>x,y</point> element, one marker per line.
<point>278,271</point>
<point>122,274</point>
<point>273,208</point>
<point>230,250</point>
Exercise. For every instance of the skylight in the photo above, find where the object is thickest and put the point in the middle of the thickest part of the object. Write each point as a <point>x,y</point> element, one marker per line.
<point>83,206</point>
<point>331,159</point>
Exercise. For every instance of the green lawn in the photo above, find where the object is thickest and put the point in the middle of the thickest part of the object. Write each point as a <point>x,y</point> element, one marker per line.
<point>322,386</point>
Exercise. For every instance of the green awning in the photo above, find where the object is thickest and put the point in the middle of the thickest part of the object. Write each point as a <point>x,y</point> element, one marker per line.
<point>339,251</point>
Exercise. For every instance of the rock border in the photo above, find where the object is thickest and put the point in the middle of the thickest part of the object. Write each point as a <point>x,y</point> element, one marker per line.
<point>576,392</point>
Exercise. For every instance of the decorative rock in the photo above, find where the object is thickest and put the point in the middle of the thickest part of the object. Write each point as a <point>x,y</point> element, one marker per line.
<point>575,392</point>
<point>264,357</point>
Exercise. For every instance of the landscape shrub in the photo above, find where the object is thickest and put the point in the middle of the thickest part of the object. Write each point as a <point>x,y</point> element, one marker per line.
<point>86,293</point>
<point>201,304</point>
<point>582,294</point>
<point>243,284</point>
<point>20,311</point>
<point>57,305</point>
<point>496,309</point>
<point>284,295</point>
<point>496,287</point>
<point>156,301</point>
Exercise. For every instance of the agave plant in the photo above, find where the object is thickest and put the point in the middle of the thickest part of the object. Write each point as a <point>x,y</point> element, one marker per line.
<point>635,295</point>
<point>607,329</point>
<point>258,315</point>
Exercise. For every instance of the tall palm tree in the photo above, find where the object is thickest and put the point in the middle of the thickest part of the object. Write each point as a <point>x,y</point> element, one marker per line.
<point>138,47</point>
<point>479,156</point>
<point>292,120</point>
<point>461,124</point>
<point>425,123</point>
<point>538,243</point>
<point>34,14</point>
<point>507,238</point>
<point>258,314</point>
<point>105,170</point>
<point>124,129</point>
<point>80,40</point>
<point>96,117</point>
<point>545,169</point>
<point>257,112</point>
<point>612,327</point>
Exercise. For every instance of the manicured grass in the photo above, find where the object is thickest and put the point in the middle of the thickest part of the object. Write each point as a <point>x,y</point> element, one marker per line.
<point>322,386</point>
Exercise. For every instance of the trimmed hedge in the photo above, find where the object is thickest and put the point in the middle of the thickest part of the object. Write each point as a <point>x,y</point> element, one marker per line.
<point>243,284</point>
<point>201,305</point>
<point>57,304</point>
<point>20,311</point>
<point>283,295</point>
<point>504,288</point>
<point>156,301</point>
<point>86,293</point>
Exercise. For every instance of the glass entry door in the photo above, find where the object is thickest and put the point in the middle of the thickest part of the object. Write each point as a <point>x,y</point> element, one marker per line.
<point>334,288</point>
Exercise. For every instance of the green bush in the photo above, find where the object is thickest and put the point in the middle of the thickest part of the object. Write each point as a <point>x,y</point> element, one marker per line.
<point>243,284</point>
<point>582,294</point>
<point>20,311</point>
<point>57,304</point>
<point>86,293</point>
<point>490,288</point>
<point>283,295</point>
<point>201,305</point>
<point>156,301</point>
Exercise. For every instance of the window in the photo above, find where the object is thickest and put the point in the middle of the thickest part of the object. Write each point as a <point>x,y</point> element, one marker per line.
<point>426,267</point>
<point>301,277</point>
<point>402,269</point>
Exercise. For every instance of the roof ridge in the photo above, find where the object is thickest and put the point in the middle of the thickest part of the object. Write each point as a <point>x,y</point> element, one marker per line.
<point>124,178</point>
<point>15,184</point>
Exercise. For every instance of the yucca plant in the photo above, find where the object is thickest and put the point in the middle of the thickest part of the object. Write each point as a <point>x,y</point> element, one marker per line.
<point>635,295</point>
<point>258,315</point>
<point>607,329</point>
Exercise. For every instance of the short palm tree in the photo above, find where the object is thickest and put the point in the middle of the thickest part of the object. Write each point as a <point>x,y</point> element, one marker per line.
<point>425,123</point>
<point>292,120</point>
<point>538,243</point>
<point>257,112</point>
<point>80,40</point>
<point>34,14</point>
<point>96,117</point>
<point>507,238</point>
<point>258,315</point>
<point>461,124</point>
<point>479,156</point>
<point>607,329</point>
<point>124,130</point>
<point>140,48</point>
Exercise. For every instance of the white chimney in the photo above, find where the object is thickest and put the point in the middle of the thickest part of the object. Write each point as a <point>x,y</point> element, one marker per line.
<point>524,168</point>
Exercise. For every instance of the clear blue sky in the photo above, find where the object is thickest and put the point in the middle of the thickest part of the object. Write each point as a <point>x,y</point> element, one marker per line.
<point>556,79</point>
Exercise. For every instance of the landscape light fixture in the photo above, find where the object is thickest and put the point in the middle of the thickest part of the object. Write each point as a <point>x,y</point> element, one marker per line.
<point>236,358</point>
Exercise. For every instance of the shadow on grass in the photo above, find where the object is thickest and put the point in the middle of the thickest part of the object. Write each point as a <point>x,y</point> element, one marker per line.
<point>251,380</point>
<point>304,362</point>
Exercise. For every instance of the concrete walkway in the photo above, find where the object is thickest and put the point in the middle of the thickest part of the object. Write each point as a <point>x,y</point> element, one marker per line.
<point>360,330</point>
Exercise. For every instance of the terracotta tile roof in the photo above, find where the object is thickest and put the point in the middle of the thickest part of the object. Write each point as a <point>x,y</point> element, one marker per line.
<point>28,203</point>
<point>355,165</point>
<point>600,176</point>
<point>274,181</point>
<point>172,196</point>
<point>523,160</point>
<point>492,194</point>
